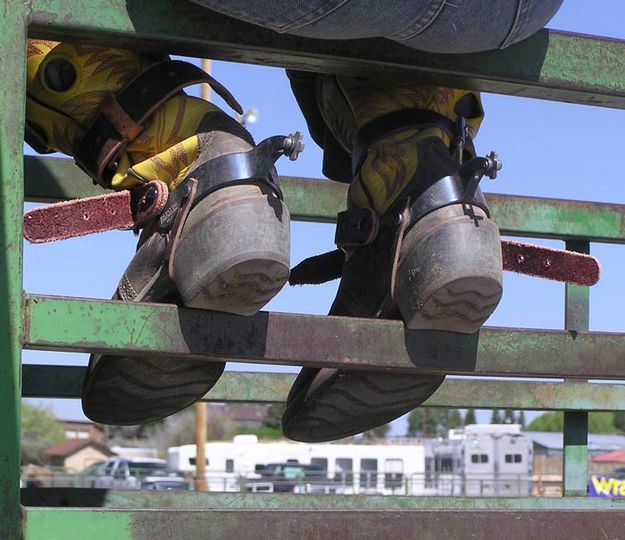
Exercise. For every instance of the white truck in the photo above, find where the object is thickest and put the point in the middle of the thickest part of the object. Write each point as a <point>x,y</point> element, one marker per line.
<point>139,473</point>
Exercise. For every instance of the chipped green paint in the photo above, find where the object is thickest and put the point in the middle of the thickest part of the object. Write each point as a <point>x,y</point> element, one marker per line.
<point>308,340</point>
<point>68,524</point>
<point>258,387</point>
<point>13,14</point>
<point>575,429</point>
<point>549,65</point>
<point>103,498</point>
<point>431,523</point>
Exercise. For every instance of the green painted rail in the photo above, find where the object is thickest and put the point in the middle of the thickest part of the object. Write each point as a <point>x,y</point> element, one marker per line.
<point>104,498</point>
<point>550,65</point>
<point>431,523</point>
<point>49,179</point>
<point>83,325</point>
<point>254,387</point>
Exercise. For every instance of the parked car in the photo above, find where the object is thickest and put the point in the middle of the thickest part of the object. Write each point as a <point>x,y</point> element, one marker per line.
<point>88,477</point>
<point>290,476</point>
<point>145,473</point>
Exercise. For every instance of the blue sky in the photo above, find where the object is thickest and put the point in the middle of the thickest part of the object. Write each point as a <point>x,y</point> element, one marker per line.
<point>549,150</point>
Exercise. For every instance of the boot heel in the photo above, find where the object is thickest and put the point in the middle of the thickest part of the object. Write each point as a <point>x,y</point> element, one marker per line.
<point>450,271</point>
<point>233,254</point>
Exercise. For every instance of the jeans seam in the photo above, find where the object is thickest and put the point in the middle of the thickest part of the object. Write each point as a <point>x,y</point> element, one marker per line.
<point>423,22</point>
<point>517,25</point>
<point>311,17</point>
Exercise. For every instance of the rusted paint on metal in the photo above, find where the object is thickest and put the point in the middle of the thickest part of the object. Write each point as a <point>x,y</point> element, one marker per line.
<point>51,180</point>
<point>105,498</point>
<point>308,340</point>
<point>549,65</point>
<point>258,387</point>
<point>314,524</point>
<point>14,15</point>
<point>575,429</point>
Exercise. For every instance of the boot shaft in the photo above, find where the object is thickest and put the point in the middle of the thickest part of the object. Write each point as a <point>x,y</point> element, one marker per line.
<point>67,86</point>
<point>391,161</point>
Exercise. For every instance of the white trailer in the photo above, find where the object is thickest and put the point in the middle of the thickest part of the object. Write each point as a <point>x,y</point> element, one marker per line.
<point>340,468</point>
<point>490,460</point>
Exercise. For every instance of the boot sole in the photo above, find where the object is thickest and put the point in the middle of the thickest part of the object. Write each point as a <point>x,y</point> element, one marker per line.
<point>466,244</point>
<point>127,390</point>
<point>234,255</point>
<point>450,272</point>
<point>345,403</point>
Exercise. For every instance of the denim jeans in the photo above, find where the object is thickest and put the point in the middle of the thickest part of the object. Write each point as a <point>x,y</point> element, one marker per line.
<point>443,26</point>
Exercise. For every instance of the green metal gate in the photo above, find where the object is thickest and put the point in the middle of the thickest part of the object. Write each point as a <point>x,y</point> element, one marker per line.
<point>551,65</point>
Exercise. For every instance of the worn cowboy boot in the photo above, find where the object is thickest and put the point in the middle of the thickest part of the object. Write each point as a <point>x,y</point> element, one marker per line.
<point>222,241</point>
<point>417,245</point>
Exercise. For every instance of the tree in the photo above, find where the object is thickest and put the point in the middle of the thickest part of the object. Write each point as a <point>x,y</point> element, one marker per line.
<point>453,420</point>
<point>179,429</point>
<point>423,422</point>
<point>40,431</point>
<point>379,432</point>
<point>469,417</point>
<point>495,417</point>
<point>273,417</point>
<point>521,419</point>
<point>619,420</point>
<point>598,422</point>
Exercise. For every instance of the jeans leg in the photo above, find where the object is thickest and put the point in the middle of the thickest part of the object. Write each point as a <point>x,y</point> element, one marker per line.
<point>444,26</point>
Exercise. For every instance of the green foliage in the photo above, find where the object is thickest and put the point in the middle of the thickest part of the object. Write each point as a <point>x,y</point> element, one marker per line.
<point>379,432</point>
<point>432,422</point>
<point>40,431</point>
<point>423,422</point>
<point>453,419</point>
<point>179,429</point>
<point>273,418</point>
<point>469,417</point>
<point>521,419</point>
<point>553,422</point>
<point>619,420</point>
<point>496,417</point>
<point>263,432</point>
<point>601,422</point>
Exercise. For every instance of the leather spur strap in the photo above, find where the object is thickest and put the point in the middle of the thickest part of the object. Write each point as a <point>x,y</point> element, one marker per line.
<point>548,263</point>
<point>529,259</point>
<point>120,210</point>
<point>123,116</point>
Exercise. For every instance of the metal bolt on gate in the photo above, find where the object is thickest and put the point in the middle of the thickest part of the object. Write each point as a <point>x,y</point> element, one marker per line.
<point>550,65</point>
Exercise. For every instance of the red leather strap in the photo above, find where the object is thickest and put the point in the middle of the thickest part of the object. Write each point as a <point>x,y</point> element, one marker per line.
<point>548,263</point>
<point>119,210</point>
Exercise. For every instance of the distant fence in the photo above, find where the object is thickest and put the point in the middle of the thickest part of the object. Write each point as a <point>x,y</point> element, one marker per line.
<point>420,484</point>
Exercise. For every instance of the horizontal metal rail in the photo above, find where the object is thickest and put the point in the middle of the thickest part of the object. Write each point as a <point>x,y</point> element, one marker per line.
<point>550,65</point>
<point>105,498</point>
<point>48,523</point>
<point>49,179</point>
<point>83,325</point>
<point>256,387</point>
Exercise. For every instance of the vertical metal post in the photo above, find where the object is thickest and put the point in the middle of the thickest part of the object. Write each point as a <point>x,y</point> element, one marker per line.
<point>12,106</point>
<point>200,446</point>
<point>575,456</point>
<point>201,413</point>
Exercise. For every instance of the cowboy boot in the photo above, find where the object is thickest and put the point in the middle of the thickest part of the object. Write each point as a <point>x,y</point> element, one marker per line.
<point>417,246</point>
<point>222,241</point>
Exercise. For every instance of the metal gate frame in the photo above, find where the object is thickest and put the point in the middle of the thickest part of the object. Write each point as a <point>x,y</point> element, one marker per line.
<point>550,65</point>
